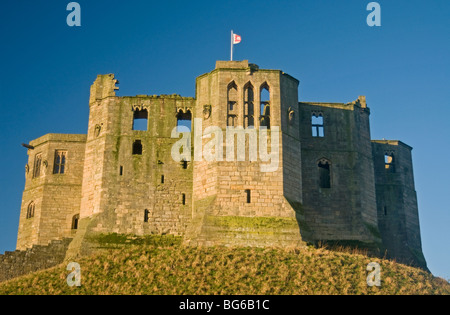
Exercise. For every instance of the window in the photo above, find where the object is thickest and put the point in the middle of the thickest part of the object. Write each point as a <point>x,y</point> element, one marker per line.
<point>97,130</point>
<point>184,163</point>
<point>121,170</point>
<point>249,108</point>
<point>30,210</point>
<point>317,125</point>
<point>60,162</point>
<point>389,162</point>
<point>232,105</point>
<point>183,199</point>
<point>324,174</point>
<point>137,147</point>
<point>146,215</point>
<point>184,121</point>
<point>249,196</point>
<point>140,120</point>
<point>37,165</point>
<point>265,106</point>
<point>75,220</point>
<point>162,179</point>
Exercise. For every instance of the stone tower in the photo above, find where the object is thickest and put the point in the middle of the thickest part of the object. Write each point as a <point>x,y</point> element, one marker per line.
<point>398,215</point>
<point>244,201</point>
<point>51,198</point>
<point>338,178</point>
<point>131,184</point>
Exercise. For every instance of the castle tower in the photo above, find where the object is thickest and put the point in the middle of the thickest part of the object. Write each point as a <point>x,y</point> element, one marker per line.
<point>51,198</point>
<point>243,198</point>
<point>99,145</point>
<point>338,177</point>
<point>398,217</point>
<point>131,183</point>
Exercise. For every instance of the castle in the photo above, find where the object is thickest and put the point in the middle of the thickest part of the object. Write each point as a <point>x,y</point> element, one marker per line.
<point>330,182</point>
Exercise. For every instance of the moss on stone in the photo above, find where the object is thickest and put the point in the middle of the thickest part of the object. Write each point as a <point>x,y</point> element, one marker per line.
<point>114,239</point>
<point>234,222</point>
<point>373,230</point>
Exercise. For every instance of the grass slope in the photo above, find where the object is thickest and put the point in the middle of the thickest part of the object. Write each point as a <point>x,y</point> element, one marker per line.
<point>163,266</point>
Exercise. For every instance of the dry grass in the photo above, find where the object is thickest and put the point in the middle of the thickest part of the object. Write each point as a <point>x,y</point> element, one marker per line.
<point>179,270</point>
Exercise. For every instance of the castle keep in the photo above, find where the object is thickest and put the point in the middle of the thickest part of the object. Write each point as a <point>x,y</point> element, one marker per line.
<point>331,182</point>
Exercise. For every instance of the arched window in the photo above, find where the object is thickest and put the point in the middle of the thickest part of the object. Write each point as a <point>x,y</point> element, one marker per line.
<point>184,121</point>
<point>30,210</point>
<point>389,162</point>
<point>249,106</point>
<point>232,104</point>
<point>137,147</point>
<point>75,220</point>
<point>317,125</point>
<point>140,120</point>
<point>265,106</point>
<point>60,162</point>
<point>324,173</point>
<point>37,165</point>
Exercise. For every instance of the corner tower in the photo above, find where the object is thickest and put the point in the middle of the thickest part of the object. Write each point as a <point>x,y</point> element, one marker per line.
<point>398,217</point>
<point>250,198</point>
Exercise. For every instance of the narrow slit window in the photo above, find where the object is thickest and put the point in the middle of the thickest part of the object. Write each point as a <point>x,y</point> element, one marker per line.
<point>162,179</point>
<point>121,171</point>
<point>146,215</point>
<point>249,107</point>
<point>75,220</point>
<point>37,165</point>
<point>317,126</point>
<point>324,174</point>
<point>30,210</point>
<point>249,195</point>
<point>183,199</point>
<point>265,106</point>
<point>60,162</point>
<point>140,120</point>
<point>137,147</point>
<point>184,163</point>
<point>232,105</point>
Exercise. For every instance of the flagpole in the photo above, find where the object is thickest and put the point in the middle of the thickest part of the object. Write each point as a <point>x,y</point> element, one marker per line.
<point>231,45</point>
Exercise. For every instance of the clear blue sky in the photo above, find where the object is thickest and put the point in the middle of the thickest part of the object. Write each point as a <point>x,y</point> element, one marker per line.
<point>402,67</point>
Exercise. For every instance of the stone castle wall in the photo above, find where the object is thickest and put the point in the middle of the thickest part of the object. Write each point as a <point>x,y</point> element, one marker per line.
<point>38,257</point>
<point>114,188</point>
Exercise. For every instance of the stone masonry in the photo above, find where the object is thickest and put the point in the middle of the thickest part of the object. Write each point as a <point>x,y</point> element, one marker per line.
<point>38,257</point>
<point>321,179</point>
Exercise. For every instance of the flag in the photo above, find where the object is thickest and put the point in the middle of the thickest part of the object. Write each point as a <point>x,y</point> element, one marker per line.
<point>236,39</point>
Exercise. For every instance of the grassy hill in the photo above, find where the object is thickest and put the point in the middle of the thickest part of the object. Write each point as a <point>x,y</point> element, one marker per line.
<point>161,265</point>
